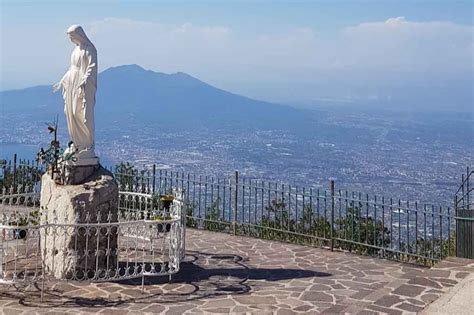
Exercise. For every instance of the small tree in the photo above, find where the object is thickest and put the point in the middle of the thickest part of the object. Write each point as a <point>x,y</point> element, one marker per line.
<point>365,230</point>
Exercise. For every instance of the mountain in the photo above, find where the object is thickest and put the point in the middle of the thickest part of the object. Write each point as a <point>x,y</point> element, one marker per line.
<point>182,123</point>
<point>130,93</point>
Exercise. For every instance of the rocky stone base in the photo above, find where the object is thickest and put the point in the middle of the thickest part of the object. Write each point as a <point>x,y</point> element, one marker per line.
<point>73,246</point>
<point>78,174</point>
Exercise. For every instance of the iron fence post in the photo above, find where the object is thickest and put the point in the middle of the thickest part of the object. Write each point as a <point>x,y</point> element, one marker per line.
<point>14,172</point>
<point>456,226</point>
<point>236,195</point>
<point>154,179</point>
<point>331,185</point>
<point>468,192</point>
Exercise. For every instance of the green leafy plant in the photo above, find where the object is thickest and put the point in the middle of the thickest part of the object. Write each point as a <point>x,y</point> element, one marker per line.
<point>23,175</point>
<point>20,221</point>
<point>213,222</point>
<point>162,217</point>
<point>190,220</point>
<point>363,230</point>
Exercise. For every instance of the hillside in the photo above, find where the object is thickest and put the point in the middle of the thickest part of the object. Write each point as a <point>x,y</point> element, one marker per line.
<point>167,100</point>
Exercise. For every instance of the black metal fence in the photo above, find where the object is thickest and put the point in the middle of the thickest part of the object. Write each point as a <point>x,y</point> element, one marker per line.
<point>332,218</point>
<point>19,172</point>
<point>464,206</point>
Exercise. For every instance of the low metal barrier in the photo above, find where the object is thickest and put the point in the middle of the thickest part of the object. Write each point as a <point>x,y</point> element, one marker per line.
<point>414,232</point>
<point>405,231</point>
<point>137,241</point>
<point>464,205</point>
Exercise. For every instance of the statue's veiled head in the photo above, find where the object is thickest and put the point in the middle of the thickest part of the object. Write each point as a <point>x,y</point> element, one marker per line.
<point>78,36</point>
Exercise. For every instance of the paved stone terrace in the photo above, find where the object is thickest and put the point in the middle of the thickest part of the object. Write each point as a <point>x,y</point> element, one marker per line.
<point>226,274</point>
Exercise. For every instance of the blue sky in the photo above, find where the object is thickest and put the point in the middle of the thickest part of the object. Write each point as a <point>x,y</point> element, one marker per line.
<point>284,51</point>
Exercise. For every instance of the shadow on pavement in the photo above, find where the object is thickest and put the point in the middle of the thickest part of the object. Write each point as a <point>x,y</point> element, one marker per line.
<point>201,275</point>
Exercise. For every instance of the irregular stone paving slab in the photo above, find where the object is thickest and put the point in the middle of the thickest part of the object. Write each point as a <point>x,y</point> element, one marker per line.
<point>228,274</point>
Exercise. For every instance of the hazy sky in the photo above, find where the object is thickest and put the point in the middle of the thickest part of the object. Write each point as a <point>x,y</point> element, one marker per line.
<point>275,50</point>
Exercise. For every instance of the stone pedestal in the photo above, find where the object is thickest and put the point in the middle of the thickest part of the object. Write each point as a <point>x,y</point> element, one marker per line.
<point>78,174</point>
<point>73,246</point>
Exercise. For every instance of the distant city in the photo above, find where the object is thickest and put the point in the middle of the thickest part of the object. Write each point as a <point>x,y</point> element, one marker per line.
<point>394,157</point>
<point>181,123</point>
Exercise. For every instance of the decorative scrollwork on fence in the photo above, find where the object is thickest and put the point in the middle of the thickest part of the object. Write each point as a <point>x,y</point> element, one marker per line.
<point>141,240</point>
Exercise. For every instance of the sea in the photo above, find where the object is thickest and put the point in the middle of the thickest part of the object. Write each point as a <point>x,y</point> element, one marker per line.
<point>28,152</point>
<point>23,151</point>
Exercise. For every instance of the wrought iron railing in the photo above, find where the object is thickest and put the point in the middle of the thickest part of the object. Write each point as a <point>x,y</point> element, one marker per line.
<point>464,206</point>
<point>464,196</point>
<point>19,173</point>
<point>336,219</point>
<point>141,239</point>
<point>333,218</point>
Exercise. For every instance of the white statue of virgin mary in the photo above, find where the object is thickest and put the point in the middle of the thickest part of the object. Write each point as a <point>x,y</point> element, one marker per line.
<point>79,85</point>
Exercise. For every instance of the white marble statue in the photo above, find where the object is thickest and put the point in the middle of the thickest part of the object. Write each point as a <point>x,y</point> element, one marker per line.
<point>79,86</point>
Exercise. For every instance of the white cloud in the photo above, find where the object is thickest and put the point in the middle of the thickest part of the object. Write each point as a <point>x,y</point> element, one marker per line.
<point>297,63</point>
<point>159,46</point>
<point>398,44</point>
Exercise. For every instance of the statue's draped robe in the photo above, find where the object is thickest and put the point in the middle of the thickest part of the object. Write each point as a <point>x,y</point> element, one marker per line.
<point>79,102</point>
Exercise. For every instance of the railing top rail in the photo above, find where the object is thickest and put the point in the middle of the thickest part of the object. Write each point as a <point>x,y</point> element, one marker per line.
<point>469,172</point>
<point>135,194</point>
<point>466,194</point>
